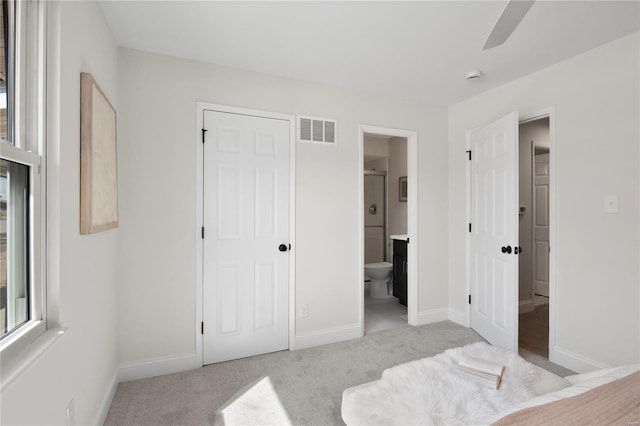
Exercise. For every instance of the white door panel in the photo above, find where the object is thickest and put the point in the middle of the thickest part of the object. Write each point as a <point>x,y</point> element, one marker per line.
<point>494,213</point>
<point>246,218</point>
<point>541,224</point>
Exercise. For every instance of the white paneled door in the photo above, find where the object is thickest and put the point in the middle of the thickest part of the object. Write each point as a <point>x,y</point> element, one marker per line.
<point>494,231</point>
<point>246,236</point>
<point>541,224</point>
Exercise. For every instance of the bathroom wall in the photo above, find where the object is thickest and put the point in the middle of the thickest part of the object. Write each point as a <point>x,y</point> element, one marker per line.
<point>375,146</point>
<point>380,165</point>
<point>397,168</point>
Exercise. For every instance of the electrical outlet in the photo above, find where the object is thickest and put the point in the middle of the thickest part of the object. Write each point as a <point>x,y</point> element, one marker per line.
<point>304,310</point>
<point>71,413</point>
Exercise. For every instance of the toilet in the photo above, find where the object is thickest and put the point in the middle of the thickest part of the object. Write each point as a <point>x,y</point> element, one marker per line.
<point>379,274</point>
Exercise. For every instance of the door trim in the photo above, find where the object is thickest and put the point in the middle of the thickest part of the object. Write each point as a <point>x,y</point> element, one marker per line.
<point>199,242</point>
<point>412,217</point>
<point>523,118</point>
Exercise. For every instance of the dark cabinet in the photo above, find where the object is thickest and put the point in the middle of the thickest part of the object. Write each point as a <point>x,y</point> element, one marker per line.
<point>400,271</point>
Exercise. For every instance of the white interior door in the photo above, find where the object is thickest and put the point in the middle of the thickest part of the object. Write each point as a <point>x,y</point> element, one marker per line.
<point>246,220</point>
<point>494,231</point>
<point>541,224</point>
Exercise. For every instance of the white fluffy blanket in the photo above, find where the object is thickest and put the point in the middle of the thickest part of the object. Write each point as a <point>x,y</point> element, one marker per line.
<point>428,392</point>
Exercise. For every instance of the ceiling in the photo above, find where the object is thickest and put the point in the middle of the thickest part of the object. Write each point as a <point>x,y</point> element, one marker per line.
<point>419,51</point>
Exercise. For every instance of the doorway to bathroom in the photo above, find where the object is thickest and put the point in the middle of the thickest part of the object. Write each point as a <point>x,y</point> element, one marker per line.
<point>385,220</point>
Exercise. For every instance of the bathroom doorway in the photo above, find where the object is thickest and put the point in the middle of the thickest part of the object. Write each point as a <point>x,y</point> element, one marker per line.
<point>385,218</point>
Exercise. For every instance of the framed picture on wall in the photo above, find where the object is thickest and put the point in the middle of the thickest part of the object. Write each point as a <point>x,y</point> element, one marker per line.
<point>98,174</point>
<point>403,188</point>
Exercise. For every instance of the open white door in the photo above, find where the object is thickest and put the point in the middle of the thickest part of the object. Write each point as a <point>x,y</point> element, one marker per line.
<point>494,231</point>
<point>541,224</point>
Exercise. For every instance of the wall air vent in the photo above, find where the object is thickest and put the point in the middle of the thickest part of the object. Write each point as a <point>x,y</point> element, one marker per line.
<point>317,130</point>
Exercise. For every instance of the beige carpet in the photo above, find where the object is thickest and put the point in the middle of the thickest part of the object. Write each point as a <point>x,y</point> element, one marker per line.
<point>306,385</point>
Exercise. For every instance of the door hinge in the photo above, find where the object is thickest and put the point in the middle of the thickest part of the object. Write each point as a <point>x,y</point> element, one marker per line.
<point>203,232</point>
<point>469,299</point>
<point>202,327</point>
<point>469,226</point>
<point>203,132</point>
<point>469,152</point>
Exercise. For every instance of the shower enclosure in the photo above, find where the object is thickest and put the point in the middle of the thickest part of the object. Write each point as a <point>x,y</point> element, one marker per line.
<point>375,216</point>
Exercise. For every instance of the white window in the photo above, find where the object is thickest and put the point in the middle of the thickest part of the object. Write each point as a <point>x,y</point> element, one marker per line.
<point>22,286</point>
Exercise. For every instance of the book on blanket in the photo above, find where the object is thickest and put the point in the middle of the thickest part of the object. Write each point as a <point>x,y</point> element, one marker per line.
<point>482,370</point>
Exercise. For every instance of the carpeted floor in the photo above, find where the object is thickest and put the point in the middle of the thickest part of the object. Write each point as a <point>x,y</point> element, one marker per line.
<point>308,382</point>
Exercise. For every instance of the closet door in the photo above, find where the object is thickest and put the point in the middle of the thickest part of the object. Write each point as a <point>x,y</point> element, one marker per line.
<point>246,236</point>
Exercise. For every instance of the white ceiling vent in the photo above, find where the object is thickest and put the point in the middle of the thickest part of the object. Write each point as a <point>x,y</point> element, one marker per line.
<point>317,130</point>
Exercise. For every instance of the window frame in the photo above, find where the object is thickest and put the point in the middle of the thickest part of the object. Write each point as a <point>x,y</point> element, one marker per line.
<point>26,333</point>
<point>26,98</point>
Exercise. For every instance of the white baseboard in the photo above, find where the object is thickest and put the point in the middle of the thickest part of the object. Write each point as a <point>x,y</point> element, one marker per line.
<point>526,306</point>
<point>106,401</point>
<point>574,361</point>
<point>157,367</point>
<point>459,317</point>
<point>433,315</point>
<point>326,336</point>
<point>173,364</point>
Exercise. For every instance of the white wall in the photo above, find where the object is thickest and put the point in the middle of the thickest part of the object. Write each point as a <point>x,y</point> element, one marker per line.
<point>82,269</point>
<point>597,129</point>
<point>157,134</point>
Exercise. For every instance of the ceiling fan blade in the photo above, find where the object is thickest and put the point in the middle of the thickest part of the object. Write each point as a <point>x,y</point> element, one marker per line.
<point>509,19</point>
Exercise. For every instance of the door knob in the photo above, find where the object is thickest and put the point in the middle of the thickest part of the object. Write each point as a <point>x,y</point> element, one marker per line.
<point>506,249</point>
<point>282,247</point>
<point>517,249</point>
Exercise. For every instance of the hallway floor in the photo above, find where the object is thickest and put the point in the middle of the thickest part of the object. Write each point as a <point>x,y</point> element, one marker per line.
<point>533,331</point>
